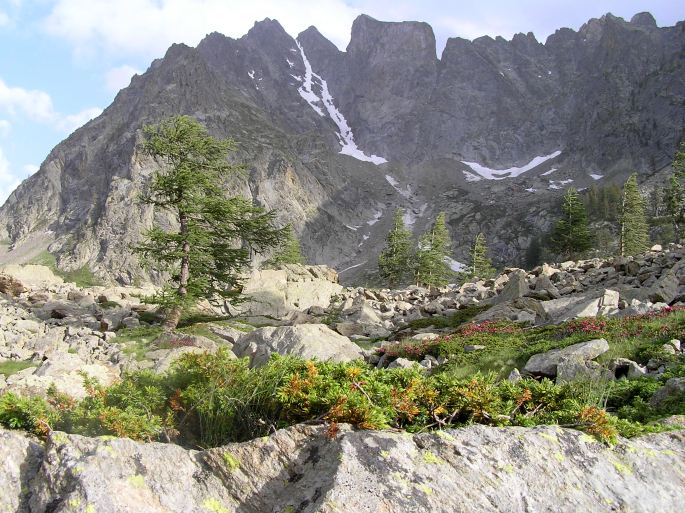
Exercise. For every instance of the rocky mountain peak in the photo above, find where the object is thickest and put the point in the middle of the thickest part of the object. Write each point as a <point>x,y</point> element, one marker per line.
<point>644,20</point>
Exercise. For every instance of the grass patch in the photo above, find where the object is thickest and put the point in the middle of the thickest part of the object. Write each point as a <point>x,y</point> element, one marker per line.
<point>509,345</point>
<point>137,341</point>
<point>82,277</point>
<point>13,366</point>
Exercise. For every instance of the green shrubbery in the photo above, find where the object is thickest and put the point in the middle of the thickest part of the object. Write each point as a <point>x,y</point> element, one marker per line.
<point>508,345</point>
<point>209,400</point>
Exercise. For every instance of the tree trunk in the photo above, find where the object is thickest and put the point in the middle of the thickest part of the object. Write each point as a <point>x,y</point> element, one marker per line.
<point>174,314</point>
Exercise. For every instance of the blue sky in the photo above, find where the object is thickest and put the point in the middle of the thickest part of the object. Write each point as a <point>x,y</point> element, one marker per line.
<point>63,61</point>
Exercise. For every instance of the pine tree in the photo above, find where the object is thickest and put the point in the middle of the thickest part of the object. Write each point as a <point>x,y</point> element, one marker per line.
<point>480,265</point>
<point>674,193</point>
<point>571,235</point>
<point>431,269</point>
<point>289,251</point>
<point>394,262</point>
<point>634,234</point>
<point>211,244</point>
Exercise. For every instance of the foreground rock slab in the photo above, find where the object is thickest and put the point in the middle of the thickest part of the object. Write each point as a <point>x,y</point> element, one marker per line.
<point>475,469</point>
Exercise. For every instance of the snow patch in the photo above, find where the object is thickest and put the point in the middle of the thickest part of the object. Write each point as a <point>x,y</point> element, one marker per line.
<point>290,63</point>
<point>549,172</point>
<point>470,177</point>
<point>596,177</point>
<point>345,135</point>
<point>351,267</point>
<point>531,190</point>
<point>251,74</point>
<point>454,265</point>
<point>353,228</point>
<point>296,77</point>
<point>411,215</point>
<point>558,184</point>
<point>512,172</point>
<point>376,217</point>
<point>405,193</point>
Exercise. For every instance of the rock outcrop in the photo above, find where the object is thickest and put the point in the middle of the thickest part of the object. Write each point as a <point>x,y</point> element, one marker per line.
<point>305,340</point>
<point>475,469</point>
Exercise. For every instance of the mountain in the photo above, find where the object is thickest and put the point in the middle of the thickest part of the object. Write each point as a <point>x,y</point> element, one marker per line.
<point>491,133</point>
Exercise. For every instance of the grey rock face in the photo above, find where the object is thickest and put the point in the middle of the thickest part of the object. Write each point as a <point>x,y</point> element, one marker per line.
<point>299,469</point>
<point>596,95</point>
<point>304,340</point>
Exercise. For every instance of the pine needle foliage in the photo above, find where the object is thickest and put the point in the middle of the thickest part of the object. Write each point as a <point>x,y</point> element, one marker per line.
<point>289,252</point>
<point>394,262</point>
<point>434,248</point>
<point>571,235</point>
<point>634,234</point>
<point>211,245</point>
<point>480,265</point>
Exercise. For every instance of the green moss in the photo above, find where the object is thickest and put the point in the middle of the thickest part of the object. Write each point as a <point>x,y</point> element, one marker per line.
<point>231,461</point>
<point>432,459</point>
<point>13,366</point>
<point>137,341</point>
<point>214,506</point>
<point>137,481</point>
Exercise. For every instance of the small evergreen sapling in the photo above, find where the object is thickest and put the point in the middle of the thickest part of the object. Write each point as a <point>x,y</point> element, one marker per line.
<point>394,262</point>
<point>480,265</point>
<point>431,268</point>
<point>634,234</point>
<point>571,235</point>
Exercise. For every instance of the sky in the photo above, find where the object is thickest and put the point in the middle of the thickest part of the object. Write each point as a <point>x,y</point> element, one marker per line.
<point>63,61</point>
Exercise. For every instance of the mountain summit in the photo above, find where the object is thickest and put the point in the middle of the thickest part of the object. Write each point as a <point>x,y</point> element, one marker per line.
<point>490,132</point>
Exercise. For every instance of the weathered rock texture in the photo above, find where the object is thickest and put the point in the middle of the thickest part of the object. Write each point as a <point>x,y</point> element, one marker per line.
<point>608,97</point>
<point>475,469</point>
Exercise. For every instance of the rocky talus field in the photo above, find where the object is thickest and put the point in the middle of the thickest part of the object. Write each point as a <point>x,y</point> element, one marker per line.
<point>560,388</point>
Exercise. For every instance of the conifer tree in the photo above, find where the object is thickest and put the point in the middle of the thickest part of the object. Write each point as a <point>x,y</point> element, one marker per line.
<point>211,244</point>
<point>634,234</point>
<point>431,269</point>
<point>674,193</point>
<point>394,262</point>
<point>480,265</point>
<point>571,235</point>
<point>289,251</point>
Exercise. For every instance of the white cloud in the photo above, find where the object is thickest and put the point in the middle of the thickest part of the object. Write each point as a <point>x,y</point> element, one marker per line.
<point>148,27</point>
<point>5,127</point>
<point>4,19</point>
<point>37,105</point>
<point>118,78</point>
<point>71,122</point>
<point>8,179</point>
<point>29,169</point>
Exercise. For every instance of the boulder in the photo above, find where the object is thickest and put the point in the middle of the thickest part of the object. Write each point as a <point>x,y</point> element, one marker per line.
<point>545,364</point>
<point>304,340</point>
<point>10,285</point>
<point>672,389</point>
<point>665,290</point>
<point>348,329</point>
<point>474,469</point>
<point>524,309</point>
<point>64,371</point>
<point>571,307</point>
<point>515,288</point>
<point>402,363</point>
<point>38,276</point>
<point>279,292</point>
<point>20,457</point>
<point>576,368</point>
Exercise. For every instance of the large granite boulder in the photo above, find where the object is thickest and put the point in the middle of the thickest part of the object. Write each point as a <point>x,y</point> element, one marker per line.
<point>304,340</point>
<point>545,364</point>
<point>474,469</point>
<point>278,292</point>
